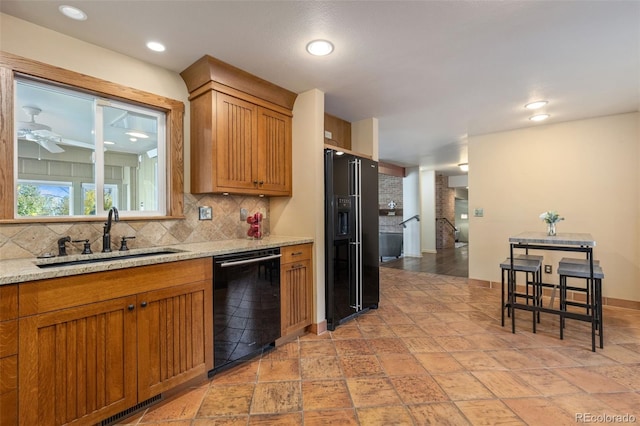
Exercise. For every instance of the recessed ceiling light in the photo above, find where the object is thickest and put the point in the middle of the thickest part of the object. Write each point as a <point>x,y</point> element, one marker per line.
<point>72,12</point>
<point>137,135</point>
<point>464,167</point>
<point>319,47</point>
<point>155,46</point>
<point>109,143</point>
<point>536,104</point>
<point>133,139</point>
<point>539,117</point>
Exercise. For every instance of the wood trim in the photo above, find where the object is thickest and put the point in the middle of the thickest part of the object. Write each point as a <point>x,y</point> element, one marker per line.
<point>208,69</point>
<point>318,327</point>
<point>221,88</point>
<point>59,293</point>
<point>11,64</point>
<point>8,338</point>
<point>340,131</point>
<point>347,151</point>
<point>8,302</point>
<point>391,169</point>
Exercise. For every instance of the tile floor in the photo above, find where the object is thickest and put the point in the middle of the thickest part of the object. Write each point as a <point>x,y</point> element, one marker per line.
<point>433,353</point>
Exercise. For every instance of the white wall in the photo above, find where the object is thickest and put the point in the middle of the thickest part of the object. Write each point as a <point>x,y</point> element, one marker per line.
<point>34,42</point>
<point>587,170</point>
<point>428,211</point>
<point>411,207</point>
<point>302,215</point>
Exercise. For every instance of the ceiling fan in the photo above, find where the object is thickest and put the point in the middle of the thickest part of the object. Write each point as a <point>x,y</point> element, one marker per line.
<point>37,132</point>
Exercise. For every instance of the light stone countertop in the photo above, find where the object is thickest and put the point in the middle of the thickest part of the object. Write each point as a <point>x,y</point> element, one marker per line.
<point>560,239</point>
<point>23,270</point>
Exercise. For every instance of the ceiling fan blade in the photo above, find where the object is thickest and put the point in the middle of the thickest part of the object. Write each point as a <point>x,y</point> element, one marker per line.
<point>50,146</point>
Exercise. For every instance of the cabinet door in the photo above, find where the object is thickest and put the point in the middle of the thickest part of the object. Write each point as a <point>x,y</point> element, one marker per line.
<point>175,336</point>
<point>236,139</point>
<point>274,152</point>
<point>77,363</point>
<point>296,294</point>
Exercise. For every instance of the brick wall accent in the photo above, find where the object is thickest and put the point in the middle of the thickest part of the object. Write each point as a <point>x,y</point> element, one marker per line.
<point>390,189</point>
<point>445,207</point>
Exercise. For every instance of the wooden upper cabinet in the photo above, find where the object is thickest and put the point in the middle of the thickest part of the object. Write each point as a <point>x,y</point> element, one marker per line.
<point>241,129</point>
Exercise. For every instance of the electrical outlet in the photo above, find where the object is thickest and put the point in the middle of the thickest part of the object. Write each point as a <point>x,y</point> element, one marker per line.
<point>547,269</point>
<point>204,213</point>
<point>327,134</point>
<point>478,212</point>
<point>243,214</point>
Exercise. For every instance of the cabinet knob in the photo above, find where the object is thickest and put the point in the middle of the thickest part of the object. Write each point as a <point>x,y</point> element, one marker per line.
<point>255,182</point>
<point>144,304</point>
<point>131,307</point>
<point>261,182</point>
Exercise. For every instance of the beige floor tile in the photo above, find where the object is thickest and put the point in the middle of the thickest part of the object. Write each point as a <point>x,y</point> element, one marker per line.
<point>418,389</point>
<point>347,331</point>
<point>243,373</point>
<point>401,365</point>
<point>546,382</point>
<point>580,403</point>
<point>626,375</point>
<point>477,360</point>
<point>331,417</point>
<point>371,331</point>
<point>372,391</point>
<point>287,419</point>
<point>489,412</point>
<point>219,421</point>
<point>549,357</point>
<point>276,397</point>
<point>314,349</point>
<point>407,330</point>
<point>388,345</point>
<point>320,368</point>
<point>395,415</point>
<point>422,344</point>
<point>352,347</point>
<point>505,384</point>
<point>514,359</point>
<point>325,395</point>
<point>439,362</point>
<point>271,370</point>
<point>590,381</point>
<point>440,414</point>
<point>361,366</point>
<point>288,350</point>
<point>539,411</point>
<point>621,354</point>
<point>227,400</point>
<point>462,386</point>
<point>622,403</point>
<point>185,406</point>
<point>456,343</point>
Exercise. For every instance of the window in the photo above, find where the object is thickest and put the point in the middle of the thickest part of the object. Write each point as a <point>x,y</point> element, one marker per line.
<point>42,198</point>
<point>95,145</point>
<point>14,67</point>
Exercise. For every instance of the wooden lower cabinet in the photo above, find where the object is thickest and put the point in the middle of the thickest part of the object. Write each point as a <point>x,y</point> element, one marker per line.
<point>82,364</point>
<point>296,288</point>
<point>79,363</point>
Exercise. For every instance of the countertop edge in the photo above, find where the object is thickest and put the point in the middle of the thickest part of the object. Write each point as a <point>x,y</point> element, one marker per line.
<point>15,271</point>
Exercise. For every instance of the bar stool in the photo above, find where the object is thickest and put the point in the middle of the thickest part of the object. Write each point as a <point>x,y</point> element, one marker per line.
<point>532,267</point>
<point>569,262</point>
<point>593,301</point>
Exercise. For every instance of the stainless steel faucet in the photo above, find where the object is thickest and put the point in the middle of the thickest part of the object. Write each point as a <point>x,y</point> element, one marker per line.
<point>106,236</point>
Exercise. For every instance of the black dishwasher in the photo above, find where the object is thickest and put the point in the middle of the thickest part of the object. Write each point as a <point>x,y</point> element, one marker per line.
<point>246,305</point>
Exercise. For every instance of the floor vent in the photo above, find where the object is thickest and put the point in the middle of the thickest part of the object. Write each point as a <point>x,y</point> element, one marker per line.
<point>129,411</point>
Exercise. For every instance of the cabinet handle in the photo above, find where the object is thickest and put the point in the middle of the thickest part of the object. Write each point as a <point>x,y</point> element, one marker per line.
<point>131,307</point>
<point>297,253</point>
<point>144,304</point>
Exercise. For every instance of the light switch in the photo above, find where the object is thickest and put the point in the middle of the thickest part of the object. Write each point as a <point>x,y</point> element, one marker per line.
<point>327,134</point>
<point>478,212</point>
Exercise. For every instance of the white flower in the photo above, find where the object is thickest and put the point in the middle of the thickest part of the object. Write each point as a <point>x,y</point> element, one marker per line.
<point>551,217</point>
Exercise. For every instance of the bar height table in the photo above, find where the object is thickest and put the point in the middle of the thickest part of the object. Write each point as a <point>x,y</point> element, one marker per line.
<point>567,242</point>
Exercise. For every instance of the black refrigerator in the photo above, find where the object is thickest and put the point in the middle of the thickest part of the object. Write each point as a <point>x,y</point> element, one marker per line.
<point>351,236</point>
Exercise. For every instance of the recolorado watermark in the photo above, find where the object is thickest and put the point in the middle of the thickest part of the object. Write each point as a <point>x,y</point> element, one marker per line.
<point>605,418</point>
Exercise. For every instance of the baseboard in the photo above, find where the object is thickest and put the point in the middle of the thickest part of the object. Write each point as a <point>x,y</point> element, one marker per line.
<point>318,328</point>
<point>571,295</point>
<point>430,251</point>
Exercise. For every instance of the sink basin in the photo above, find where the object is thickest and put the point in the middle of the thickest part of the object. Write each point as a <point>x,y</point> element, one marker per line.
<point>104,257</point>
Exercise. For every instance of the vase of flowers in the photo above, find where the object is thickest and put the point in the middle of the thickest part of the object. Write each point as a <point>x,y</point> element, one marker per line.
<point>551,218</point>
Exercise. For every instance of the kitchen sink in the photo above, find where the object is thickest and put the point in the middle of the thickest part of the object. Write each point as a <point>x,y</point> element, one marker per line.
<point>103,257</point>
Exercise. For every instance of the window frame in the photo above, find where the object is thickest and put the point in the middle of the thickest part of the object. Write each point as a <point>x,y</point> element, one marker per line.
<point>12,66</point>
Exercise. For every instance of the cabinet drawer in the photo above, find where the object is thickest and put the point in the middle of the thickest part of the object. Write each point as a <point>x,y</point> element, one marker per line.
<point>295,253</point>
<point>8,302</point>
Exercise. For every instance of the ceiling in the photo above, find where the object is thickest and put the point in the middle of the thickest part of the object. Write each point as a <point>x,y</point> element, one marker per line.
<point>432,72</point>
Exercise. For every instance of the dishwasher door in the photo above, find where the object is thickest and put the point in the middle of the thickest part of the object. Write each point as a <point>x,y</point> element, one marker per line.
<point>246,305</point>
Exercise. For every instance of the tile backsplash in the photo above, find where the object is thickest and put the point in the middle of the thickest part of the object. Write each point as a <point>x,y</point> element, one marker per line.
<point>29,240</point>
